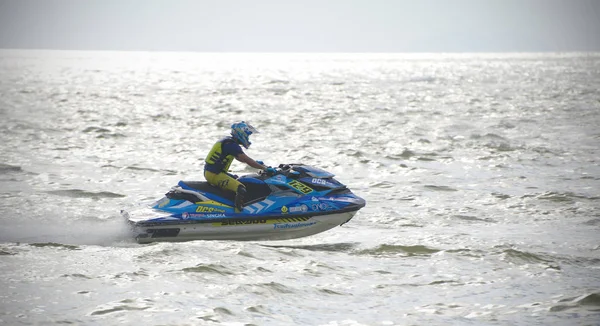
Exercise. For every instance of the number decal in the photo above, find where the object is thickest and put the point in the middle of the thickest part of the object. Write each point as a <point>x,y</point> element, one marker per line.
<point>300,187</point>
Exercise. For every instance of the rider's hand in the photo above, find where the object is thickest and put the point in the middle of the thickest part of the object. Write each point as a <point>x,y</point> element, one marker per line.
<point>270,171</point>
<point>260,162</point>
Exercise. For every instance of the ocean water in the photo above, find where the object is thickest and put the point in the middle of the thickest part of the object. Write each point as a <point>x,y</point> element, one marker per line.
<point>481,174</point>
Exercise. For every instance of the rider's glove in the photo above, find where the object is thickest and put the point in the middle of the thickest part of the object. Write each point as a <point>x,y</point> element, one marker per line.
<point>260,162</point>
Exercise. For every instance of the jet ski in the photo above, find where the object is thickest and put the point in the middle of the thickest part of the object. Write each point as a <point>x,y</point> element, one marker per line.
<point>294,201</point>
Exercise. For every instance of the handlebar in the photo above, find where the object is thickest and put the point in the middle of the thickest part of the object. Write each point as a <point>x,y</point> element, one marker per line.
<point>281,169</point>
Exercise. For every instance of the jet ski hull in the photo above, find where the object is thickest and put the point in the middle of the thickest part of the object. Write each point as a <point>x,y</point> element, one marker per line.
<point>250,229</point>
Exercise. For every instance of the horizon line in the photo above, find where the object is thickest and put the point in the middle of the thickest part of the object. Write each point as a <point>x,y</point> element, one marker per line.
<point>306,52</point>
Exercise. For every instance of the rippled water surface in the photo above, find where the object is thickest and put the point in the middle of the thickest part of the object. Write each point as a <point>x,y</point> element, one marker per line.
<point>481,175</point>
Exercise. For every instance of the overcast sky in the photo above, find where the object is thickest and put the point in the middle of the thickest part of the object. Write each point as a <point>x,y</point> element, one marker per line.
<point>302,25</point>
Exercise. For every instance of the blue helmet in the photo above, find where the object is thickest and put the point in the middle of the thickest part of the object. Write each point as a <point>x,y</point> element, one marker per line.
<point>241,131</point>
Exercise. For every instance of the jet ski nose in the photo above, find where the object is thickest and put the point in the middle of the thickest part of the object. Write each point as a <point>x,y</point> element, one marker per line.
<point>358,201</point>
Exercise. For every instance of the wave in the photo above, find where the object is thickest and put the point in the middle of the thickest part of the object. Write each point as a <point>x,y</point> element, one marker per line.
<point>279,91</point>
<point>589,301</point>
<point>141,169</point>
<point>333,247</point>
<point>67,148</point>
<point>78,193</point>
<point>275,287</point>
<point>123,305</point>
<point>95,129</point>
<point>331,292</point>
<point>76,275</point>
<point>208,269</point>
<point>398,250</point>
<point>7,168</point>
<point>432,283</point>
<point>259,309</point>
<point>6,253</point>
<point>519,257</point>
<point>407,154</point>
<point>593,222</point>
<point>103,132</point>
<point>422,79</point>
<point>560,197</point>
<point>266,289</point>
<point>440,188</point>
<point>474,218</point>
<point>494,142</point>
<point>54,245</point>
<point>382,184</point>
<point>278,81</point>
<point>112,135</point>
<point>545,260</point>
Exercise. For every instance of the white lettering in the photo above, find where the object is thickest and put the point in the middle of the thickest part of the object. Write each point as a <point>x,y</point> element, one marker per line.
<point>292,225</point>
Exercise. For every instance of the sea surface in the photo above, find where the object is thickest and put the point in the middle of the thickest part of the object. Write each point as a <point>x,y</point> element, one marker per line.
<point>481,174</point>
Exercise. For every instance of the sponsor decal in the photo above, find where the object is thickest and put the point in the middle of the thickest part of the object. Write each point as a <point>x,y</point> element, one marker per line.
<point>292,225</point>
<point>212,203</point>
<point>321,207</point>
<point>330,198</point>
<point>206,209</point>
<point>187,215</point>
<point>319,181</point>
<point>284,209</point>
<point>211,215</point>
<point>289,220</point>
<point>278,221</point>
<point>300,187</point>
<point>301,208</point>
<point>240,222</point>
<point>279,178</point>
<point>164,202</point>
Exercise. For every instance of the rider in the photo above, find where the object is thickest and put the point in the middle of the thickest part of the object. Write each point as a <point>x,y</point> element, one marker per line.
<point>221,156</point>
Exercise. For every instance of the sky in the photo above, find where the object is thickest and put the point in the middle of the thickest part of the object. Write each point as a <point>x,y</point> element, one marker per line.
<point>302,25</point>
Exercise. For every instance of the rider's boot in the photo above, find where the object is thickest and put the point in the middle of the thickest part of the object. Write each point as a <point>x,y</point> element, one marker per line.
<point>239,198</point>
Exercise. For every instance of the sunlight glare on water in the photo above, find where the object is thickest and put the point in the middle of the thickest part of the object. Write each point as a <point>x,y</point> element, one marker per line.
<point>480,173</point>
